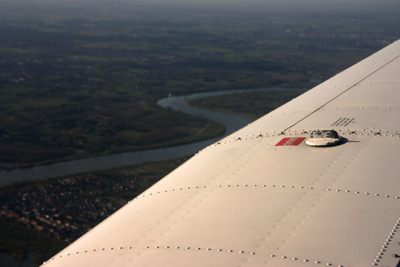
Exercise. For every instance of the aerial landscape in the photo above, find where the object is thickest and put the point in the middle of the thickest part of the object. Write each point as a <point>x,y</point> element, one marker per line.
<point>81,79</point>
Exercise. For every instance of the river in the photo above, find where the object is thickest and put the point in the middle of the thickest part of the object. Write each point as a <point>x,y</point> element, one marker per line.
<point>178,103</point>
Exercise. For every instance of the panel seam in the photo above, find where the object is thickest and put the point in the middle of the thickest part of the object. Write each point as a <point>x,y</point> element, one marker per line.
<point>317,109</point>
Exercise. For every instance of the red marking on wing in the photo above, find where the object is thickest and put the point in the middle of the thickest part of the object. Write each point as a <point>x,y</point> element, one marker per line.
<point>291,141</point>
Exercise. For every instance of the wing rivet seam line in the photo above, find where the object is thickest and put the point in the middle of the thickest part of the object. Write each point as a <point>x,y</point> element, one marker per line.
<point>283,257</point>
<point>155,247</point>
<point>255,186</point>
<point>301,134</point>
<point>346,90</point>
<point>387,242</point>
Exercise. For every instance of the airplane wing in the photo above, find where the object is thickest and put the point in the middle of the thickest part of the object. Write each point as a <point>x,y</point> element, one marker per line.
<point>262,196</point>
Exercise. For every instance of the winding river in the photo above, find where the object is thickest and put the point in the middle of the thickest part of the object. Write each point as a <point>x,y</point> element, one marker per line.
<point>178,103</point>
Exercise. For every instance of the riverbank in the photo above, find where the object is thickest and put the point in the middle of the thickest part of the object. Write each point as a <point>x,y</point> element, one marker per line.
<point>104,162</point>
<point>212,129</point>
<point>252,106</point>
<point>231,123</point>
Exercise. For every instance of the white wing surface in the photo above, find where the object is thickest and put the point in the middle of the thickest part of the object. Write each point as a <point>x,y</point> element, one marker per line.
<point>262,196</point>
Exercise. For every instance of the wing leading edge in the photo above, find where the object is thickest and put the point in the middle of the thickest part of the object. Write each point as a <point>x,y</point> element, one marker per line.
<point>263,197</point>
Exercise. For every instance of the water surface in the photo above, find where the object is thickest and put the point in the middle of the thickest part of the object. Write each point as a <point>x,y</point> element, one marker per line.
<point>179,103</point>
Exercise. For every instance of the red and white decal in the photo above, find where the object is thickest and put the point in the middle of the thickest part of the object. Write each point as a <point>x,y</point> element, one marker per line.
<point>291,141</point>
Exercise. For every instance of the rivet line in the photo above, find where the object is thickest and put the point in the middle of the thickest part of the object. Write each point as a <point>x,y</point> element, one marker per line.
<point>295,133</point>
<point>159,247</point>
<point>256,186</point>
<point>283,257</point>
<point>386,243</point>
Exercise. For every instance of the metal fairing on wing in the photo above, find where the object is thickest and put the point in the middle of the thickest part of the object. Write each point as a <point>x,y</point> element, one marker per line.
<point>264,197</point>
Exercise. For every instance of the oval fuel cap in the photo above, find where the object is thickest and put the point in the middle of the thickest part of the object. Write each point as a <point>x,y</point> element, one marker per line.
<point>324,138</point>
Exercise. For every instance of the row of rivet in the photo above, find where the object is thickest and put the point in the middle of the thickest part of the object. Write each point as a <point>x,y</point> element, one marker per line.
<point>197,249</point>
<point>386,244</point>
<point>374,107</point>
<point>205,249</point>
<point>304,260</point>
<point>288,133</point>
<point>148,247</point>
<point>173,190</point>
<point>273,186</point>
